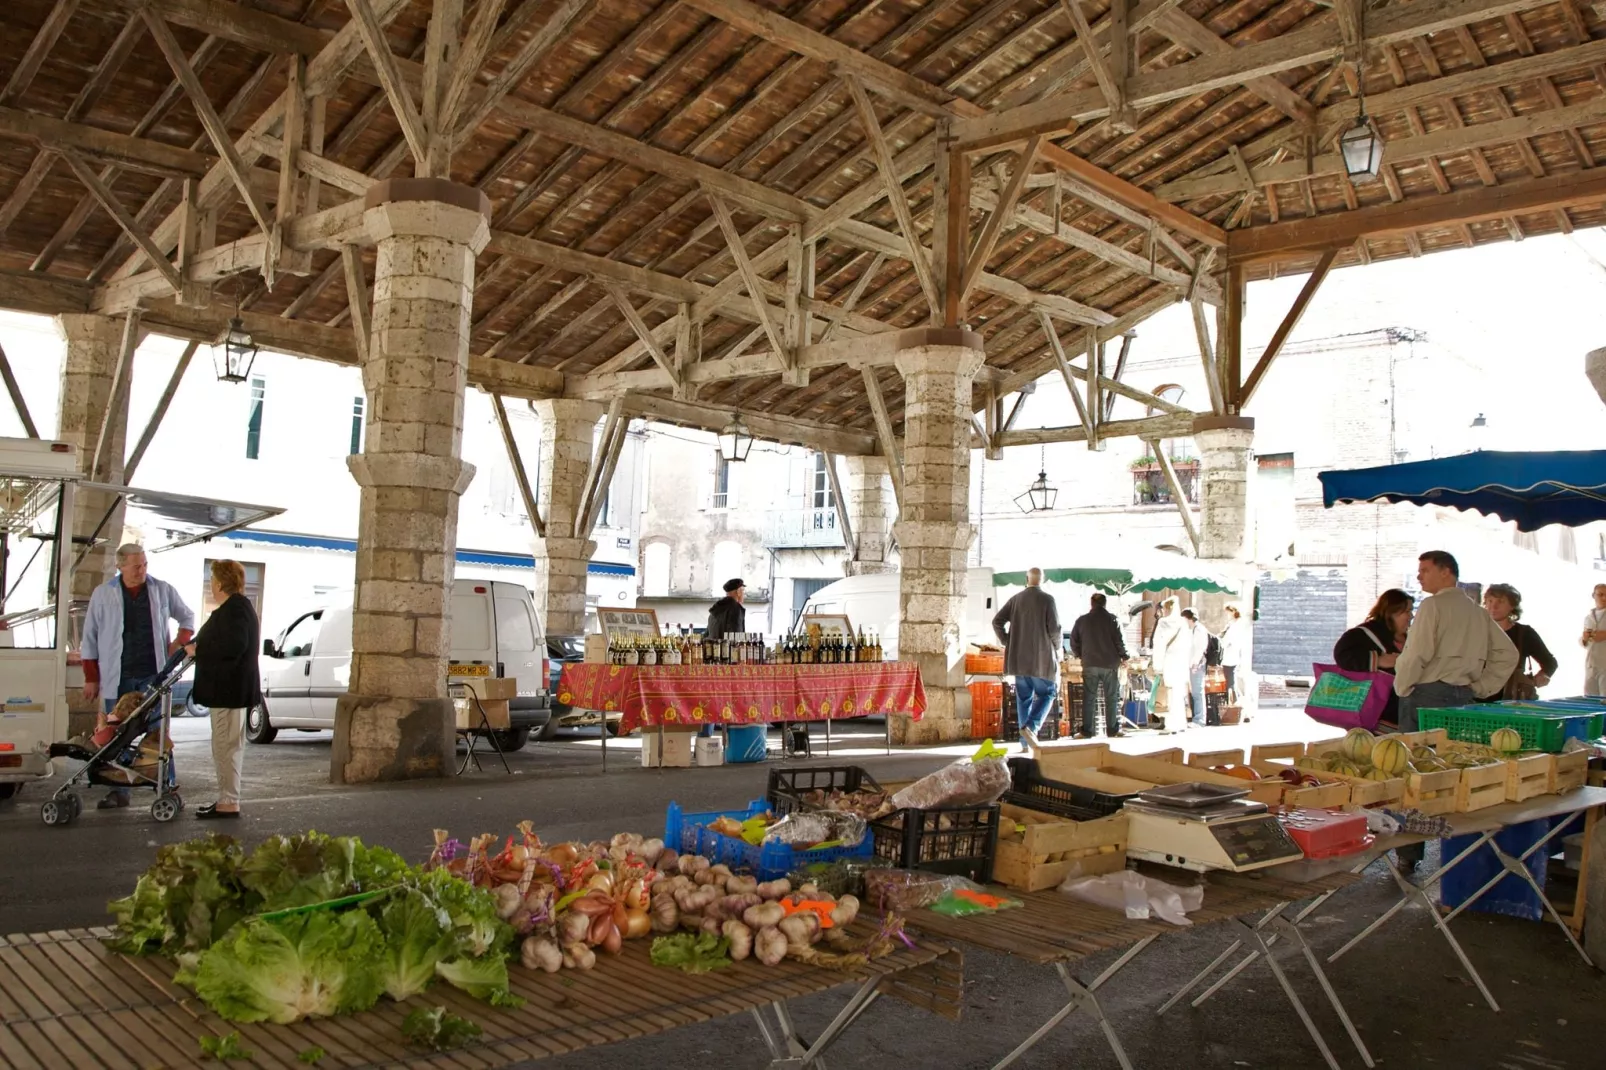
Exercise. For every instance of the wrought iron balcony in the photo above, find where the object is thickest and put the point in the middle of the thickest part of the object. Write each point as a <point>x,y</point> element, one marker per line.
<point>792,528</point>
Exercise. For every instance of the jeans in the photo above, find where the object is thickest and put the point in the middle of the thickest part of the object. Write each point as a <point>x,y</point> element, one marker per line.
<point>1196,678</point>
<point>1096,681</point>
<point>1432,696</point>
<point>132,687</point>
<point>1034,697</point>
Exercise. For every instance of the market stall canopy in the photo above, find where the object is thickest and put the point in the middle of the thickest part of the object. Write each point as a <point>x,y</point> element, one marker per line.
<point>1126,570</point>
<point>187,518</point>
<point>1532,489</point>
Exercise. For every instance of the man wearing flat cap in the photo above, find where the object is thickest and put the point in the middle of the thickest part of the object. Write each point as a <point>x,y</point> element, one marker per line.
<point>727,617</point>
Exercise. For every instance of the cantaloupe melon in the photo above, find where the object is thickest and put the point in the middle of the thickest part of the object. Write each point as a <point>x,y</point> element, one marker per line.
<point>1357,744</point>
<point>1390,756</point>
<point>1506,740</point>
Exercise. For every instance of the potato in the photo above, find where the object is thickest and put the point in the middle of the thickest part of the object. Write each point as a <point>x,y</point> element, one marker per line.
<point>770,946</point>
<point>741,938</point>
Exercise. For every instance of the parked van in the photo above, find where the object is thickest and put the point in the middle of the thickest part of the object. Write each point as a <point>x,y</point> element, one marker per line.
<point>871,601</point>
<point>494,624</point>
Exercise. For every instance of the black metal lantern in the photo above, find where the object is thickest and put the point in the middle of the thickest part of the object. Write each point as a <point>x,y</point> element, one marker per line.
<point>1039,497</point>
<point>735,440</point>
<point>1362,149</point>
<point>234,354</point>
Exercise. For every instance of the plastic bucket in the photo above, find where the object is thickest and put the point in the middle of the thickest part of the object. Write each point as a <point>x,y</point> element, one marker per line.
<point>747,742</point>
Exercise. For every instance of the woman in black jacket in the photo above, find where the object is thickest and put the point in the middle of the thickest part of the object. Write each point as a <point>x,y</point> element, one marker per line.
<point>1504,603</point>
<point>1375,643</point>
<point>225,653</point>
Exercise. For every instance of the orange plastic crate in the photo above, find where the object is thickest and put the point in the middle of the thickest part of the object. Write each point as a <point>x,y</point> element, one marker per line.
<point>984,663</point>
<point>987,694</point>
<point>986,724</point>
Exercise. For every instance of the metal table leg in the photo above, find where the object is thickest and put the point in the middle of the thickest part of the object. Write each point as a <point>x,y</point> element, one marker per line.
<point>789,1051</point>
<point>1293,997</point>
<point>1082,999</point>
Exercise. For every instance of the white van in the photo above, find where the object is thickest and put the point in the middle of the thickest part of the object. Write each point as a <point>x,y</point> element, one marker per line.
<point>871,601</point>
<point>308,667</point>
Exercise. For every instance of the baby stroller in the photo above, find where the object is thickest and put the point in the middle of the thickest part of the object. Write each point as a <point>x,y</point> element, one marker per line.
<point>125,761</point>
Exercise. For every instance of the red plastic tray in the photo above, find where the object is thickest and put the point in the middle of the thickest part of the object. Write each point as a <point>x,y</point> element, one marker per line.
<point>1326,833</point>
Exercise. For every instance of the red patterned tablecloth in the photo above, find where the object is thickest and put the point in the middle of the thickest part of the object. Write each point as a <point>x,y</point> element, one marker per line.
<point>742,694</point>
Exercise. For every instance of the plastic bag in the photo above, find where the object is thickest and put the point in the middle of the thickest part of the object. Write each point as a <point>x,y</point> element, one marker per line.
<point>1138,896</point>
<point>963,902</point>
<point>904,890</point>
<point>811,828</point>
<point>965,783</point>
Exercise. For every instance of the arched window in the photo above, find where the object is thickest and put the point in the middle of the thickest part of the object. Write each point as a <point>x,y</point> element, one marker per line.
<point>727,564</point>
<point>655,570</point>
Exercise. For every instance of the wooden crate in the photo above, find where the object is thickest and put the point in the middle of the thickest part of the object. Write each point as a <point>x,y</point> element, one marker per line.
<point>1366,792</point>
<point>1479,787</point>
<point>1050,850</point>
<point>1568,771</point>
<point>1056,759</point>
<point>1209,759</point>
<point>1272,790</point>
<point>1322,746</point>
<point>1432,793</point>
<point>1528,776</point>
<point>1433,737</point>
<point>1271,752</point>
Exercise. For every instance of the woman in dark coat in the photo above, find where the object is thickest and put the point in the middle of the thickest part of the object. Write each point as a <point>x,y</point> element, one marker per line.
<point>1504,603</point>
<point>225,653</point>
<point>1375,643</point>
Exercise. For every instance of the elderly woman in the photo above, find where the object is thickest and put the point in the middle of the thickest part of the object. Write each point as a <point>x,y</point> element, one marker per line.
<point>225,653</point>
<point>1504,603</point>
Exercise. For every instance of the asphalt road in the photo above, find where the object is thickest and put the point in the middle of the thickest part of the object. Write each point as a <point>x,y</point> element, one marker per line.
<point>1404,988</point>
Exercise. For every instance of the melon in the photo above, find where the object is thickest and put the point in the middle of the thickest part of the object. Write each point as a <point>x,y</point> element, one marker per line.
<point>1376,774</point>
<point>1357,744</point>
<point>1390,756</point>
<point>1307,762</point>
<point>1506,740</point>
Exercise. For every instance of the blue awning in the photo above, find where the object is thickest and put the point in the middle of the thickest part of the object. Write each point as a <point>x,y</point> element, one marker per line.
<point>1532,489</point>
<point>466,557</point>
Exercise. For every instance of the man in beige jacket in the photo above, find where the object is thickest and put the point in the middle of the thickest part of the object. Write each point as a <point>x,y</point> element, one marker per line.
<point>1454,652</point>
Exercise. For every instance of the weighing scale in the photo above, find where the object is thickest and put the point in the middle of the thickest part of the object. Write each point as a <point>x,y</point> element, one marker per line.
<point>1206,826</point>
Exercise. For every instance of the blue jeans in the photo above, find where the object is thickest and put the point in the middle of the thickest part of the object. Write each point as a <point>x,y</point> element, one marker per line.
<point>1034,697</point>
<point>1432,696</point>
<point>1196,691</point>
<point>132,687</point>
<point>1097,681</point>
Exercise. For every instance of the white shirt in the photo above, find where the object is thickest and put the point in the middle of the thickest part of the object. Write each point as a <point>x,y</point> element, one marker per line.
<point>1453,640</point>
<point>1235,643</point>
<point>1595,659</point>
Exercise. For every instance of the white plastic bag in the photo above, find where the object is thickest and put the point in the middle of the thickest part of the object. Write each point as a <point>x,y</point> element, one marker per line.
<point>1138,896</point>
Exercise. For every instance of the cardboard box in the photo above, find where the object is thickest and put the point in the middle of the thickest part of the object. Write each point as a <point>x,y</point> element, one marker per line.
<point>492,688</point>
<point>676,748</point>
<point>596,649</point>
<point>468,713</point>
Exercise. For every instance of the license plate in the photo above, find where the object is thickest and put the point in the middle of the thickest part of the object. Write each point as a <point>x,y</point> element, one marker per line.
<point>468,670</point>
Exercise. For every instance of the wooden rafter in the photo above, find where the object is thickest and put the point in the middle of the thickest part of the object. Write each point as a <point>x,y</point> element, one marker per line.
<point>744,267</point>
<point>113,208</point>
<point>44,40</point>
<point>516,461</point>
<point>1286,327</point>
<point>1002,215</point>
<point>1174,485</point>
<point>158,414</point>
<point>401,100</point>
<point>884,433</point>
<point>357,299</point>
<point>638,325</point>
<point>18,402</point>
<point>895,193</point>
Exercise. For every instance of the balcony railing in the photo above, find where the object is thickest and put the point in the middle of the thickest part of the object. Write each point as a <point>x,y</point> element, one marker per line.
<point>802,527</point>
<point>1149,486</point>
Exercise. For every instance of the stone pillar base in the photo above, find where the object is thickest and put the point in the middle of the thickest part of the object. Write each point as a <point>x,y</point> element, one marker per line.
<point>946,720</point>
<point>383,738</point>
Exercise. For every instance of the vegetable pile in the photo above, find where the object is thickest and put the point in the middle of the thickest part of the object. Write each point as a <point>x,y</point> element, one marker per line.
<point>311,926</point>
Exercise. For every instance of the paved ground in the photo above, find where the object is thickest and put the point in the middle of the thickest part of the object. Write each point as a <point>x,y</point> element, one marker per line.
<point>1404,988</point>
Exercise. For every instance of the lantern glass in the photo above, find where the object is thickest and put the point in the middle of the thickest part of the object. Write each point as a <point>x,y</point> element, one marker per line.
<point>1039,497</point>
<point>235,354</point>
<point>735,440</point>
<point>1362,149</point>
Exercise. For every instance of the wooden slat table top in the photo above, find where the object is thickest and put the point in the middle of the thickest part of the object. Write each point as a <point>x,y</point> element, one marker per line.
<point>67,1000</point>
<point>1053,927</point>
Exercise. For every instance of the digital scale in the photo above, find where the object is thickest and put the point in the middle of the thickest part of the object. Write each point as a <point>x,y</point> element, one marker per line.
<point>1206,826</point>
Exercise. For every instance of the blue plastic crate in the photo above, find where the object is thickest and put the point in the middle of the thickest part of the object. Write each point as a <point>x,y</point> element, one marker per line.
<point>689,834</point>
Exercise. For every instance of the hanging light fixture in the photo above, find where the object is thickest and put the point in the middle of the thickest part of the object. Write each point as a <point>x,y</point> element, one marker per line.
<point>235,352</point>
<point>1361,145</point>
<point>1040,496</point>
<point>735,440</point>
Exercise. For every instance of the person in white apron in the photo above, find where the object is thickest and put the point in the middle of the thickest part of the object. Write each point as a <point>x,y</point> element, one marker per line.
<point>1595,644</point>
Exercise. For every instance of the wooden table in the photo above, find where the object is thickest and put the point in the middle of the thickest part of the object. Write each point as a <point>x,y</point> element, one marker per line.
<point>1055,930</point>
<point>66,1001</point>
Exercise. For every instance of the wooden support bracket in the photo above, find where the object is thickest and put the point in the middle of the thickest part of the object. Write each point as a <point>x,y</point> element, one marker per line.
<point>1286,328</point>
<point>517,461</point>
<point>883,427</point>
<point>158,414</point>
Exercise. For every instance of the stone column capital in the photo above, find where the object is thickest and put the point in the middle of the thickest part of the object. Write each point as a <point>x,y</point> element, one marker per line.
<point>959,361</point>
<point>428,208</point>
<point>553,548</point>
<point>934,535</point>
<point>1595,369</point>
<point>564,410</point>
<point>425,471</point>
<point>1223,432</point>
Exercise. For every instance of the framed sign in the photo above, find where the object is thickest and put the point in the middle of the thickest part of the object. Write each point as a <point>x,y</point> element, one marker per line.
<point>828,624</point>
<point>631,623</point>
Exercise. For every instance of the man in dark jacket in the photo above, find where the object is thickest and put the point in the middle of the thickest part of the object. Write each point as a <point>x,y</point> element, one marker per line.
<point>1031,653</point>
<point>1096,639</point>
<point>727,616</point>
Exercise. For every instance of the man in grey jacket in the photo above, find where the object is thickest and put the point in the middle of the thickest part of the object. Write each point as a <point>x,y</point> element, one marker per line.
<point>1031,653</point>
<point>1096,639</point>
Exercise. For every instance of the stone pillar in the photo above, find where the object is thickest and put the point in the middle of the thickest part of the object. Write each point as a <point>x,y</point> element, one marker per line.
<point>567,432</point>
<point>870,507</point>
<point>93,346</point>
<point>934,530</point>
<point>395,721</point>
<point>1595,370</point>
<point>1225,444</point>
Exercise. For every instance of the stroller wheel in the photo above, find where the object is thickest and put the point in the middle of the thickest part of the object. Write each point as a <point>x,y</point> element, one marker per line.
<point>166,807</point>
<point>56,812</point>
<point>76,802</point>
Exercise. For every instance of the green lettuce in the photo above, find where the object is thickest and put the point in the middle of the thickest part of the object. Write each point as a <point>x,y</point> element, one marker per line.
<point>474,924</point>
<point>190,897</point>
<point>692,952</point>
<point>310,965</point>
<point>438,1029</point>
<point>295,871</point>
<point>417,935</point>
<point>483,978</point>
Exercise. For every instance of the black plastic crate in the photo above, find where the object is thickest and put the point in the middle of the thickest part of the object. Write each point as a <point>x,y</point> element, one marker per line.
<point>789,784</point>
<point>1029,788</point>
<point>959,840</point>
<point>1009,723</point>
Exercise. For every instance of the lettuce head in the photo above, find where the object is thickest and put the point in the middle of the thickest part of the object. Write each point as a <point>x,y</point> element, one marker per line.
<point>311,965</point>
<point>475,927</point>
<point>483,978</point>
<point>417,935</point>
<point>192,894</point>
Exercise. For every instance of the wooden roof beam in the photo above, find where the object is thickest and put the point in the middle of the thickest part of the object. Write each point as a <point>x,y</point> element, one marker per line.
<point>38,48</point>
<point>824,437</point>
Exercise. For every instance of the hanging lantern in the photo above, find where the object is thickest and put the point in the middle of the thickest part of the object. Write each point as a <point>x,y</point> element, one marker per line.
<point>1362,149</point>
<point>234,354</point>
<point>735,440</point>
<point>1039,497</point>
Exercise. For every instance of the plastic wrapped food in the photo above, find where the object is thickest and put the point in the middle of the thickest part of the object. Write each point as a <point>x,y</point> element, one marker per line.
<point>903,890</point>
<point>965,783</point>
<point>963,902</point>
<point>810,828</point>
<point>1138,896</point>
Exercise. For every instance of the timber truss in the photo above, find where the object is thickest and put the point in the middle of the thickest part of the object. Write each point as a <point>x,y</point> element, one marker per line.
<point>702,206</point>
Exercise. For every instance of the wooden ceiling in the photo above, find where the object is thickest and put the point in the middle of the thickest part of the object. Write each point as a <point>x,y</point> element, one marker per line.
<point>1211,142</point>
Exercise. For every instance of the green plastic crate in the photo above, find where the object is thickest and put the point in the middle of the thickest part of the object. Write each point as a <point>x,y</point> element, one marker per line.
<point>1540,731</point>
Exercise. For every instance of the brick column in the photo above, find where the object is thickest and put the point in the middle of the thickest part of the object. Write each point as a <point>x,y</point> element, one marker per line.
<point>1225,444</point>
<point>567,432</point>
<point>934,530</point>
<point>93,345</point>
<point>870,507</point>
<point>396,722</point>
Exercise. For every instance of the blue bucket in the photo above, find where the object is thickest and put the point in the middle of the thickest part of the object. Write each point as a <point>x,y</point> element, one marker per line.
<point>747,743</point>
